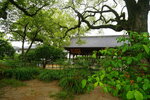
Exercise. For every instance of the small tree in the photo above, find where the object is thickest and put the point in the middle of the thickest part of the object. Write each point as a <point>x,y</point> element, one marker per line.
<point>48,54</point>
<point>5,49</point>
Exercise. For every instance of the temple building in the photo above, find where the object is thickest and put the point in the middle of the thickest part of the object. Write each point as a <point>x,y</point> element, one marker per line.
<point>84,46</point>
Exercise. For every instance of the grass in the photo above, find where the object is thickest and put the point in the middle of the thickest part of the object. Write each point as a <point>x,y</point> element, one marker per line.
<point>23,73</point>
<point>11,82</point>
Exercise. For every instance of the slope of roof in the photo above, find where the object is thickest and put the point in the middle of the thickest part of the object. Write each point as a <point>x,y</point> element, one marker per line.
<point>96,41</point>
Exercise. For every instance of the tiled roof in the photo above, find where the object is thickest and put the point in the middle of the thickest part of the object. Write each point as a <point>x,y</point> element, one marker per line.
<point>96,41</point>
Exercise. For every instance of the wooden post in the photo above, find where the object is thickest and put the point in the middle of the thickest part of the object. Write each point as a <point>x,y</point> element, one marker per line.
<point>69,56</point>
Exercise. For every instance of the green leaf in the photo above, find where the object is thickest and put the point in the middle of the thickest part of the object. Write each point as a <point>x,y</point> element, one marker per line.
<point>139,79</point>
<point>105,89</point>
<point>136,86</point>
<point>146,48</point>
<point>124,49</point>
<point>127,87</point>
<point>94,55</point>
<point>96,84</point>
<point>129,60</point>
<point>83,83</point>
<point>101,84</point>
<point>145,86</point>
<point>146,81</point>
<point>130,95</point>
<point>102,77</point>
<point>138,95</point>
<point>114,64</point>
<point>97,79</point>
<point>118,86</point>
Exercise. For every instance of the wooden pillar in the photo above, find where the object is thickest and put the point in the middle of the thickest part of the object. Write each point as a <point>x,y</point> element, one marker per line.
<point>69,56</point>
<point>73,57</point>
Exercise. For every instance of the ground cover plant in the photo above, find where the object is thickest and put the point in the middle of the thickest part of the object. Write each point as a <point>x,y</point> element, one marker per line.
<point>23,73</point>
<point>50,75</point>
<point>71,81</point>
<point>126,71</point>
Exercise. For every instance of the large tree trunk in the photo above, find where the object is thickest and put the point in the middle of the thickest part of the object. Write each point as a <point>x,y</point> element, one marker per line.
<point>137,15</point>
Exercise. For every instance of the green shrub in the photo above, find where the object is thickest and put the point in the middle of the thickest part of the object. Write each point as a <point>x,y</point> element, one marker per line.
<point>126,71</point>
<point>13,63</point>
<point>11,82</point>
<point>21,73</point>
<point>48,54</point>
<point>83,62</point>
<point>83,72</point>
<point>72,78</point>
<point>121,84</point>
<point>50,75</point>
<point>72,84</point>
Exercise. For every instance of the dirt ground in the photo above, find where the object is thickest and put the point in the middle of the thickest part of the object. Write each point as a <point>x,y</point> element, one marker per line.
<point>37,90</point>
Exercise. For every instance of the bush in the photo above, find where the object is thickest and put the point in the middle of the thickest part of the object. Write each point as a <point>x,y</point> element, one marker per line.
<point>50,75</point>
<point>72,84</point>
<point>122,84</point>
<point>21,73</point>
<point>48,54</point>
<point>83,62</point>
<point>126,71</point>
<point>72,78</point>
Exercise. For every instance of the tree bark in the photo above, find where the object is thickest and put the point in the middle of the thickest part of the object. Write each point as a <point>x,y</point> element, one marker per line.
<point>137,15</point>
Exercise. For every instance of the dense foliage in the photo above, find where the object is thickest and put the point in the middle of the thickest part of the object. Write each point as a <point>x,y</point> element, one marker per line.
<point>6,49</point>
<point>21,73</point>
<point>125,71</point>
<point>49,54</point>
<point>50,75</point>
<point>71,81</point>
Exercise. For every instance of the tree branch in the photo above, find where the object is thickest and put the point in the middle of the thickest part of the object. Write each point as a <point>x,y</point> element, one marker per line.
<point>114,27</point>
<point>25,10</point>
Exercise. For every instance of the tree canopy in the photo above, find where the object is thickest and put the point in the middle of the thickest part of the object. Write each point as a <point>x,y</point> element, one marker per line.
<point>47,54</point>
<point>6,49</point>
<point>28,7</point>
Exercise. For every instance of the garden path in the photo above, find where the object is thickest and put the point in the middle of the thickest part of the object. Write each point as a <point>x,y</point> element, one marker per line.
<point>38,90</point>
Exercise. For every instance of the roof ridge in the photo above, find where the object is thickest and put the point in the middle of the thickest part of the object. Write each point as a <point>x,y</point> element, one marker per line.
<point>100,36</point>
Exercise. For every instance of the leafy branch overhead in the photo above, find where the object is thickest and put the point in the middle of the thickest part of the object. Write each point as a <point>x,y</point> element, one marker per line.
<point>28,7</point>
<point>95,14</point>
